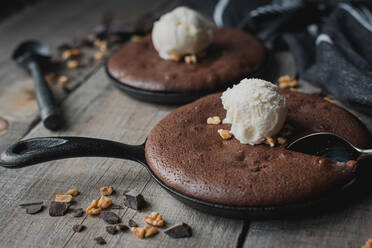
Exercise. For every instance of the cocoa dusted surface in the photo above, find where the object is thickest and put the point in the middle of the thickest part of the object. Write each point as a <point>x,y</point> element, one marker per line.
<point>190,156</point>
<point>233,55</point>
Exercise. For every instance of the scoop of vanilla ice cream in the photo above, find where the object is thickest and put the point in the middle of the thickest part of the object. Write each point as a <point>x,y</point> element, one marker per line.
<point>255,110</point>
<point>181,31</point>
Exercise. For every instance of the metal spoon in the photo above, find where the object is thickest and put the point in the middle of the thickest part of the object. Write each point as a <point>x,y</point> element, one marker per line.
<point>328,145</point>
<point>32,55</point>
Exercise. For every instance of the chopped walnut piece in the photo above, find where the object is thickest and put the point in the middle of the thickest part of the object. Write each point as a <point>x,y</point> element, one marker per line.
<point>104,202</point>
<point>286,82</point>
<point>225,134</point>
<point>270,141</point>
<point>101,44</point>
<point>328,99</point>
<point>63,80</point>
<point>73,192</point>
<point>50,76</point>
<point>72,64</point>
<point>93,211</point>
<point>98,55</point>
<point>61,197</point>
<point>214,120</point>
<point>137,38</point>
<point>93,208</point>
<point>154,219</point>
<point>107,190</point>
<point>175,56</point>
<point>71,53</point>
<point>144,232</point>
<point>281,140</point>
<point>368,244</point>
<point>191,59</point>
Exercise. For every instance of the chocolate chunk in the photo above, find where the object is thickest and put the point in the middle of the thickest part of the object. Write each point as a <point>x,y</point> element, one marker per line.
<point>100,240</point>
<point>123,227</point>
<point>181,230</point>
<point>34,209</point>
<point>111,230</point>
<point>134,200</point>
<point>110,217</point>
<point>132,223</point>
<point>116,206</point>
<point>78,228</point>
<point>58,208</point>
<point>78,212</point>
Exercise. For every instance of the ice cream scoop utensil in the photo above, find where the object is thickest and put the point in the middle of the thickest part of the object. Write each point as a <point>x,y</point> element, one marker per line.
<point>328,145</point>
<point>32,55</point>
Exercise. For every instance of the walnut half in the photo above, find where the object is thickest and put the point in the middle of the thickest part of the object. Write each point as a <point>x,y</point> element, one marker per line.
<point>154,219</point>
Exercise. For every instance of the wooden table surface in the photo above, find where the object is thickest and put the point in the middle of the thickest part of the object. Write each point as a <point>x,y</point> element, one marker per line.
<point>94,108</point>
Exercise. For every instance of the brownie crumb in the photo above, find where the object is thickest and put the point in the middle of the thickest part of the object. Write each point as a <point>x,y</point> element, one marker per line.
<point>111,230</point>
<point>78,228</point>
<point>58,208</point>
<point>100,240</point>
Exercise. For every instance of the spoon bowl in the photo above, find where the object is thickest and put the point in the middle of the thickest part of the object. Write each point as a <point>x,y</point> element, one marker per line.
<point>31,49</point>
<point>328,145</point>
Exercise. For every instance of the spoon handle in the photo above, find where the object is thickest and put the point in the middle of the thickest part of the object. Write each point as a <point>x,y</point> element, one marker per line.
<point>49,110</point>
<point>365,152</point>
<point>38,150</point>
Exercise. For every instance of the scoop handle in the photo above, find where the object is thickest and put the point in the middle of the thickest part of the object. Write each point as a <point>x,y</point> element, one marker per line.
<point>49,110</point>
<point>38,150</point>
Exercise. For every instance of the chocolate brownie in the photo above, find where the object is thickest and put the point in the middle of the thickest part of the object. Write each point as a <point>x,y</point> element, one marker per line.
<point>190,156</point>
<point>233,55</point>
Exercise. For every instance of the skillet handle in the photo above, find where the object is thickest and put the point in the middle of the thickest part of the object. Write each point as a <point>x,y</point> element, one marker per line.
<point>38,150</point>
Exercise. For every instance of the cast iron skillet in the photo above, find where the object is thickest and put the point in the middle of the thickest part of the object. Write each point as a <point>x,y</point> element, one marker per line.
<point>39,150</point>
<point>176,98</point>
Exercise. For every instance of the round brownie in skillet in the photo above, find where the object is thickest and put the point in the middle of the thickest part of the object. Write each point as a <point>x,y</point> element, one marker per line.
<point>233,55</point>
<point>190,156</point>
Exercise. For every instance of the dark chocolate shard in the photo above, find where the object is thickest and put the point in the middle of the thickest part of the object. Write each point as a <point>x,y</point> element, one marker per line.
<point>78,212</point>
<point>123,227</point>
<point>132,223</point>
<point>34,209</point>
<point>116,206</point>
<point>100,240</point>
<point>58,208</point>
<point>181,230</point>
<point>134,200</point>
<point>111,230</point>
<point>78,228</point>
<point>110,217</point>
<point>30,203</point>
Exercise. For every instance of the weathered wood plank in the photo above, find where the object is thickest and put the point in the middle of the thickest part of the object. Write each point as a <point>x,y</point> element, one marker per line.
<point>89,109</point>
<point>59,22</point>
